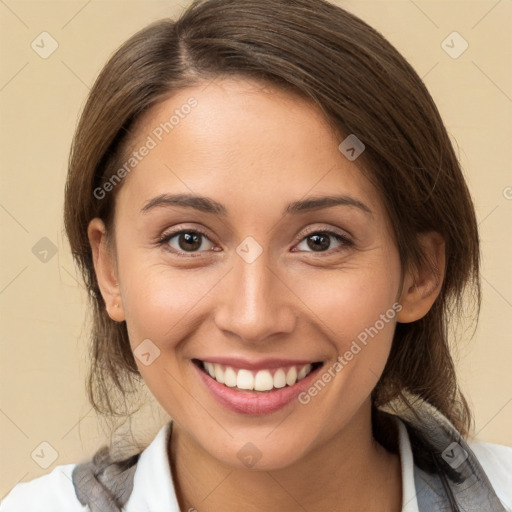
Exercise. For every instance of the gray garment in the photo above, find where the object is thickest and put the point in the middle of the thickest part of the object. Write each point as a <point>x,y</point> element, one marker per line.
<point>103,484</point>
<point>447,474</point>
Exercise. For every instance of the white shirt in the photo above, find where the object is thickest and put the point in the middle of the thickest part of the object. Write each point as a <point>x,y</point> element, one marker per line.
<point>153,489</point>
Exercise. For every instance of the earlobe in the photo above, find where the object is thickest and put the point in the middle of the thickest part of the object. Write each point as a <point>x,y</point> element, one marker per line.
<point>422,286</point>
<point>106,269</point>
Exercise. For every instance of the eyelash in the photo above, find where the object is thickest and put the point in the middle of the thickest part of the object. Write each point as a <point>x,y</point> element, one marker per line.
<point>164,240</point>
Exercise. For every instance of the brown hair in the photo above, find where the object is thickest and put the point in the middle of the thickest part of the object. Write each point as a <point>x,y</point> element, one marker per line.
<point>364,87</point>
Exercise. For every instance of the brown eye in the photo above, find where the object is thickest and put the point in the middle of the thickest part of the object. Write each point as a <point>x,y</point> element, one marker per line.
<point>186,241</point>
<point>321,241</point>
<point>318,242</point>
<point>189,241</point>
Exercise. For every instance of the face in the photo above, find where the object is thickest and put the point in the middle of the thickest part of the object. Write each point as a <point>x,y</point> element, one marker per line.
<point>248,276</point>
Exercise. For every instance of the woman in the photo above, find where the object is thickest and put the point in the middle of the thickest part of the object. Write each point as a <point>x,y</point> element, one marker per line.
<point>274,230</point>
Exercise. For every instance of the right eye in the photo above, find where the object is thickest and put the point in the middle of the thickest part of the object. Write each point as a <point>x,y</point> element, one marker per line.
<point>184,241</point>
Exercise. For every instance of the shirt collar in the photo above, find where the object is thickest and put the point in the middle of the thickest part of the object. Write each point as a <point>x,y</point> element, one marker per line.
<point>153,483</point>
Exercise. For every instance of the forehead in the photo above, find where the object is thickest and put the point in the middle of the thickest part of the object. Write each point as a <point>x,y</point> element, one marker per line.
<point>243,141</point>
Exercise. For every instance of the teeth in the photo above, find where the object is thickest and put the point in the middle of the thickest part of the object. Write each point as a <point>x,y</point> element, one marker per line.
<point>263,380</point>
<point>303,372</point>
<point>244,380</point>
<point>291,376</point>
<point>279,379</point>
<point>210,368</point>
<point>230,377</point>
<point>219,374</point>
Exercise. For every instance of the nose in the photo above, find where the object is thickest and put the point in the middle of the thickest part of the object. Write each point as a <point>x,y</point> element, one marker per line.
<point>256,304</point>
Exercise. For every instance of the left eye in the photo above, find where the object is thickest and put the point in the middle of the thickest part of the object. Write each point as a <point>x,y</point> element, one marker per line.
<point>321,241</point>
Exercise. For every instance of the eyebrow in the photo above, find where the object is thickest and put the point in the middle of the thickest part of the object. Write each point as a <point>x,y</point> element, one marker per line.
<point>209,205</point>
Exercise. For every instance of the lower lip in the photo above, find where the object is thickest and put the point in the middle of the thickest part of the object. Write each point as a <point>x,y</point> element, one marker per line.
<point>254,403</point>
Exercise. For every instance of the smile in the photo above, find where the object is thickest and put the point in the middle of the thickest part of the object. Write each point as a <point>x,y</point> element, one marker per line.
<point>261,380</point>
<point>255,389</point>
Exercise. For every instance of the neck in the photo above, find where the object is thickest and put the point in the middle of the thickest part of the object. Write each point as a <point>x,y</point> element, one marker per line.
<point>351,471</point>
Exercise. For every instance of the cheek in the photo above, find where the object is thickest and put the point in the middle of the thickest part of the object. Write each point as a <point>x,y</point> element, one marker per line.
<point>356,311</point>
<point>161,305</point>
<point>160,301</point>
<point>351,300</point>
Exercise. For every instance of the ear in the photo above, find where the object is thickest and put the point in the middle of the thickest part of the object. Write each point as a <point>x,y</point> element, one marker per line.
<point>422,286</point>
<point>106,269</point>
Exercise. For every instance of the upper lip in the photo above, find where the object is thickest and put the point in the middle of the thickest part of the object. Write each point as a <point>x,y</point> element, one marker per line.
<point>260,364</point>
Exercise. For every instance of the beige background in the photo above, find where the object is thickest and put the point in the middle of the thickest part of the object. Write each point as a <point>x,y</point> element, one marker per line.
<point>43,335</point>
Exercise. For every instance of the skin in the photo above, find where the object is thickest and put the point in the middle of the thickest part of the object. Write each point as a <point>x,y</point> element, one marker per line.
<point>255,149</point>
